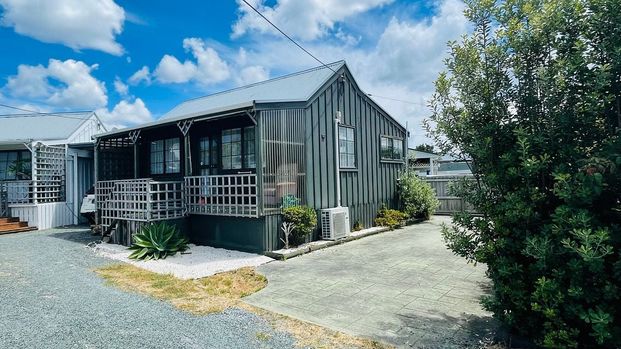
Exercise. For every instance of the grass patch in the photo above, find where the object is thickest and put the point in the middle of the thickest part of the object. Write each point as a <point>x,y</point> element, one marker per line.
<point>218,292</point>
<point>202,296</point>
<point>309,335</point>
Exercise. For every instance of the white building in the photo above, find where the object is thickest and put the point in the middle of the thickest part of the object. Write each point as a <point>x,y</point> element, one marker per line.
<point>46,166</point>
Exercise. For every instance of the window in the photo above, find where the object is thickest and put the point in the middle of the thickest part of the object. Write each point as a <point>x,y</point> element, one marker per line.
<point>165,156</point>
<point>391,148</point>
<point>231,149</point>
<point>347,147</point>
<point>15,165</point>
<point>249,158</point>
<point>208,155</point>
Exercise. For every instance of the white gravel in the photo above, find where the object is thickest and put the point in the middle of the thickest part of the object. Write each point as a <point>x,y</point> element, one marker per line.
<point>197,262</point>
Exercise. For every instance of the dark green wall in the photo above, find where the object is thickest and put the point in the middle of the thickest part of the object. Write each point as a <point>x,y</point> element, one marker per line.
<point>239,233</point>
<point>373,182</point>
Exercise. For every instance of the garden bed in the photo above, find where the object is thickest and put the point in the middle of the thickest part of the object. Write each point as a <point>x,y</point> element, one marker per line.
<point>197,262</point>
<point>284,254</point>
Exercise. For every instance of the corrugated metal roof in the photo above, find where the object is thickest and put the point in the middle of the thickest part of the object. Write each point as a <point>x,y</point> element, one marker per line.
<point>297,87</point>
<point>417,154</point>
<point>40,127</point>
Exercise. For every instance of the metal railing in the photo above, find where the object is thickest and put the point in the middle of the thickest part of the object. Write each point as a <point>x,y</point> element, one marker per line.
<point>222,195</point>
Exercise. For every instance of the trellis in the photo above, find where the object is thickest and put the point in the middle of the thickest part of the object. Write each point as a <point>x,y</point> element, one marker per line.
<point>223,195</point>
<point>130,203</point>
<point>48,170</point>
<point>115,157</point>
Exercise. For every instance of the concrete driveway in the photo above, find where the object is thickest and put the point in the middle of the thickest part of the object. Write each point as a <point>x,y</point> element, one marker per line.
<point>402,287</point>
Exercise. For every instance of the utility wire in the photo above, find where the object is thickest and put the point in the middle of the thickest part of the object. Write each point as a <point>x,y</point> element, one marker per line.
<point>288,37</point>
<point>317,59</point>
<point>37,113</point>
<point>396,100</point>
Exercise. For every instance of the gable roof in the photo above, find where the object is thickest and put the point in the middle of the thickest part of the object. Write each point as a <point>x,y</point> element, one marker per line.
<point>40,127</point>
<point>296,87</point>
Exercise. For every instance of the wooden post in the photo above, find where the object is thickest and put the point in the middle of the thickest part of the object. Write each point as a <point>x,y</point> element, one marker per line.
<point>188,154</point>
<point>136,161</point>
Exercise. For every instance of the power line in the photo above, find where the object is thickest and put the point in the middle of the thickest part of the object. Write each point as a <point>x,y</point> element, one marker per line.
<point>317,59</point>
<point>288,37</point>
<point>37,113</point>
<point>396,100</point>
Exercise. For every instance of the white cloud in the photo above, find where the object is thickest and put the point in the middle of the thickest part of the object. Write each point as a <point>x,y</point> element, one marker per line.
<point>125,113</point>
<point>66,84</point>
<point>30,82</point>
<point>120,87</point>
<point>403,64</point>
<point>143,74</point>
<point>207,69</point>
<point>304,19</point>
<point>79,24</point>
<point>251,74</point>
<point>170,70</point>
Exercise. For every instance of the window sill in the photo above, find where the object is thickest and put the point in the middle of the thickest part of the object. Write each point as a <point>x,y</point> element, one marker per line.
<point>387,161</point>
<point>348,169</point>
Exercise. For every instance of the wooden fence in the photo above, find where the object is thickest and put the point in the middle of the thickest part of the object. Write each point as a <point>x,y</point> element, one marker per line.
<point>448,202</point>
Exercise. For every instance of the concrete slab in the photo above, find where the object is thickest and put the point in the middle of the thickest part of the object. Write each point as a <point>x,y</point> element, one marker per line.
<point>402,287</point>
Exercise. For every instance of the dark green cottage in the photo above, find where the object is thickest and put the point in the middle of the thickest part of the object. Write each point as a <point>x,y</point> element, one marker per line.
<point>223,166</point>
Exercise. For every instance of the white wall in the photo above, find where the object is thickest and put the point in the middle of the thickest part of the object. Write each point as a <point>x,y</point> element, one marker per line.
<point>44,216</point>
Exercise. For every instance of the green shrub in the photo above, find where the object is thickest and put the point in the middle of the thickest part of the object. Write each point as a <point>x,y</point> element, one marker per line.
<point>358,226</point>
<point>157,241</point>
<point>304,219</point>
<point>533,98</point>
<point>417,196</point>
<point>390,218</point>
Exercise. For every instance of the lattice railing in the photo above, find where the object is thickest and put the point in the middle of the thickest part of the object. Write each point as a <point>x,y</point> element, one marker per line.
<point>138,200</point>
<point>222,195</point>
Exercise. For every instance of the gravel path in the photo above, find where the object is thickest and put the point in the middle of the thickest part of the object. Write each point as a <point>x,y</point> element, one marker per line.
<point>197,262</point>
<point>52,299</point>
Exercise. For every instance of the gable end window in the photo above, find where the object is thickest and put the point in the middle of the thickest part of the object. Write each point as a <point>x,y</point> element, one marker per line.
<point>165,156</point>
<point>347,147</point>
<point>391,148</point>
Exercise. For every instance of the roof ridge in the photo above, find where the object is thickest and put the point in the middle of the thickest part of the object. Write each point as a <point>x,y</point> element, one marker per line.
<point>33,114</point>
<point>264,81</point>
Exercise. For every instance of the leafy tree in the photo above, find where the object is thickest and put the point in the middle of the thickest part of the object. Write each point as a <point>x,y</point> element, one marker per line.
<point>533,97</point>
<point>427,148</point>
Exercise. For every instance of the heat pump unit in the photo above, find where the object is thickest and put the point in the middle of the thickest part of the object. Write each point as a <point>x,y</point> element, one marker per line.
<point>335,223</point>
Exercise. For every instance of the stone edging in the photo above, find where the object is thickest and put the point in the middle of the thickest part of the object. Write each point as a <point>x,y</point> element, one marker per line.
<point>321,244</point>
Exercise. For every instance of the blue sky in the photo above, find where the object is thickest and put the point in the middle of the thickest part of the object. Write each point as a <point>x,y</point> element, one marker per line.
<point>132,61</point>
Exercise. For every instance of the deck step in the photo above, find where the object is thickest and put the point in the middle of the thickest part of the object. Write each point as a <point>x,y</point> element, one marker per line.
<point>8,219</point>
<point>17,230</point>
<point>10,225</point>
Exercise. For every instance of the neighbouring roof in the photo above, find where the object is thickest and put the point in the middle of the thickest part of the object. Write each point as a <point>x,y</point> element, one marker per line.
<point>417,154</point>
<point>296,87</point>
<point>40,127</point>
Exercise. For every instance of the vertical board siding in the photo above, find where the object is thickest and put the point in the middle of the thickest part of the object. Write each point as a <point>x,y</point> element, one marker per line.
<point>44,216</point>
<point>373,182</point>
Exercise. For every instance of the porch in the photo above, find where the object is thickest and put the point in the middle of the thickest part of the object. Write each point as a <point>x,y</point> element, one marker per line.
<point>223,179</point>
<point>33,188</point>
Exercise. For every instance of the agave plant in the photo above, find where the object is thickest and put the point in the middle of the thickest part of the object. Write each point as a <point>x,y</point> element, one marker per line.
<point>157,241</point>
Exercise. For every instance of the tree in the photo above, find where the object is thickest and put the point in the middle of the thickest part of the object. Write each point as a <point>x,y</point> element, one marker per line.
<point>533,97</point>
<point>424,147</point>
